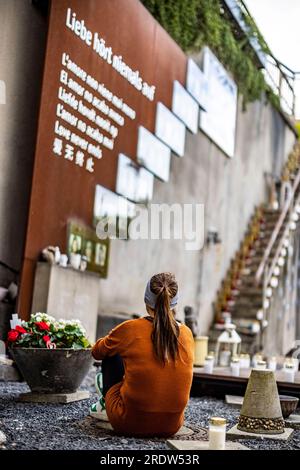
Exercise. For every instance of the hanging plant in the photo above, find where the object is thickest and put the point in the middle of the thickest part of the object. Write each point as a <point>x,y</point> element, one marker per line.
<point>196,23</point>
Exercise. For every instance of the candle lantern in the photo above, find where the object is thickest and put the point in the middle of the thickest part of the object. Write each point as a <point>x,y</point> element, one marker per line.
<point>228,345</point>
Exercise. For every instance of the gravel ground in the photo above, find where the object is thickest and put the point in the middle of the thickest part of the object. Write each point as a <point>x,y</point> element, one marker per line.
<point>68,426</point>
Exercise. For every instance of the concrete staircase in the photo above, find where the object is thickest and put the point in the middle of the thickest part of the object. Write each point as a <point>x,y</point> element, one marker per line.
<point>242,297</point>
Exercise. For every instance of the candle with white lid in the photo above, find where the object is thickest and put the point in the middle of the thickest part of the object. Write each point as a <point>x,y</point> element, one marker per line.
<point>235,366</point>
<point>217,433</point>
<point>289,373</point>
<point>272,363</point>
<point>261,365</point>
<point>209,364</point>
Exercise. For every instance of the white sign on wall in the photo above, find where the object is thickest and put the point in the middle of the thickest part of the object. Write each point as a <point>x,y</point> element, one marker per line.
<point>170,129</point>
<point>196,83</point>
<point>109,204</point>
<point>219,120</point>
<point>153,154</point>
<point>185,107</point>
<point>133,182</point>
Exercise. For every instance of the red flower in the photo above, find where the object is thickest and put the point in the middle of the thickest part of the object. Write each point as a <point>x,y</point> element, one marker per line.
<point>47,339</point>
<point>20,329</point>
<point>12,336</point>
<point>42,325</point>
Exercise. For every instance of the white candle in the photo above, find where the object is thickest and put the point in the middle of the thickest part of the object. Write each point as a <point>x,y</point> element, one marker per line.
<point>235,368</point>
<point>209,365</point>
<point>217,434</point>
<point>261,365</point>
<point>289,373</point>
<point>255,359</point>
<point>272,364</point>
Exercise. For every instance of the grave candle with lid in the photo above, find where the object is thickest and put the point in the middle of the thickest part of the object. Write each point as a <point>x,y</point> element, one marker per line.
<point>209,364</point>
<point>272,363</point>
<point>289,372</point>
<point>217,433</point>
<point>235,366</point>
<point>261,365</point>
<point>228,345</point>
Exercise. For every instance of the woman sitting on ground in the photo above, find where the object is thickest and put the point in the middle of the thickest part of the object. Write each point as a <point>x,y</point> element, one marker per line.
<point>147,366</point>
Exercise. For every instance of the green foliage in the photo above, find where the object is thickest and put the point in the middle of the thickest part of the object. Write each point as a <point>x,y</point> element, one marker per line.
<point>195,23</point>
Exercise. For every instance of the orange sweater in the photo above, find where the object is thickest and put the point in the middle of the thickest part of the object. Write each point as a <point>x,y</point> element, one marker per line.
<point>152,397</point>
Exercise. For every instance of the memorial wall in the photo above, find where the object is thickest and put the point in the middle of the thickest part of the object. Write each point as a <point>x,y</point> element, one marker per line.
<point>124,113</point>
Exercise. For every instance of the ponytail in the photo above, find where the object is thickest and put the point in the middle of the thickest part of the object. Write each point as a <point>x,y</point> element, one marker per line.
<point>165,328</point>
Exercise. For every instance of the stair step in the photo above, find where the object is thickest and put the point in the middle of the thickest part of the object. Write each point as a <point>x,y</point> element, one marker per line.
<point>245,302</point>
<point>250,292</point>
<point>245,313</point>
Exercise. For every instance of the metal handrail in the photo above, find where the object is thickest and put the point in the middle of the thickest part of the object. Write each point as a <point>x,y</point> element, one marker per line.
<point>9,268</point>
<point>276,230</point>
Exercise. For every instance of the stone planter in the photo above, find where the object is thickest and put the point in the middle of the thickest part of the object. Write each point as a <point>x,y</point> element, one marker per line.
<point>53,370</point>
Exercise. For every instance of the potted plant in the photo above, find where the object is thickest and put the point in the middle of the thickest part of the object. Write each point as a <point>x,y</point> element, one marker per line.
<point>53,355</point>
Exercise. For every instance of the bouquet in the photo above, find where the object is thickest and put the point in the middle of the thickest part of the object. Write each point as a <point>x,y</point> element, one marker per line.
<point>44,331</point>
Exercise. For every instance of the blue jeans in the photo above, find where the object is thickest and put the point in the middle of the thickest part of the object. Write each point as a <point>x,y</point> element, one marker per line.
<point>112,371</point>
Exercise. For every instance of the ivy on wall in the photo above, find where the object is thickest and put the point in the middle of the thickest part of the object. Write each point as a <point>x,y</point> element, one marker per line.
<point>195,23</point>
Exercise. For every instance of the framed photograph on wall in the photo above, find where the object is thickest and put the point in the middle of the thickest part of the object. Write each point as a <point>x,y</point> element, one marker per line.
<point>83,240</point>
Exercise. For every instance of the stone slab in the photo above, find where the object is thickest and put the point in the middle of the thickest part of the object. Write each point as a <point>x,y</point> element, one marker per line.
<point>202,445</point>
<point>9,373</point>
<point>234,400</point>
<point>235,433</point>
<point>293,421</point>
<point>54,397</point>
<point>183,431</point>
<point>101,416</point>
<point>2,438</point>
<point>104,425</point>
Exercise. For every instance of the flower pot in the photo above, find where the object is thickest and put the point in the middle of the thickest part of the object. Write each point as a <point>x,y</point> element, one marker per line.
<point>52,370</point>
<point>288,405</point>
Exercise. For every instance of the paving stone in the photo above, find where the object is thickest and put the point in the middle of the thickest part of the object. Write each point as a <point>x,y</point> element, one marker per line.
<point>2,438</point>
<point>293,421</point>
<point>235,433</point>
<point>54,397</point>
<point>202,445</point>
<point>184,431</point>
<point>234,400</point>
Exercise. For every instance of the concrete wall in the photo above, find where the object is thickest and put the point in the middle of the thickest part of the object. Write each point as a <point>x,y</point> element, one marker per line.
<point>229,188</point>
<point>22,45</point>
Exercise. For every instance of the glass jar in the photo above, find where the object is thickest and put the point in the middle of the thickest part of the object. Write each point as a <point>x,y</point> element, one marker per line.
<point>208,364</point>
<point>235,367</point>
<point>217,433</point>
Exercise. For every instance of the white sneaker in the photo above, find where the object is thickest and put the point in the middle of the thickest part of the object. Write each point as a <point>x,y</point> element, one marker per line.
<point>97,411</point>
